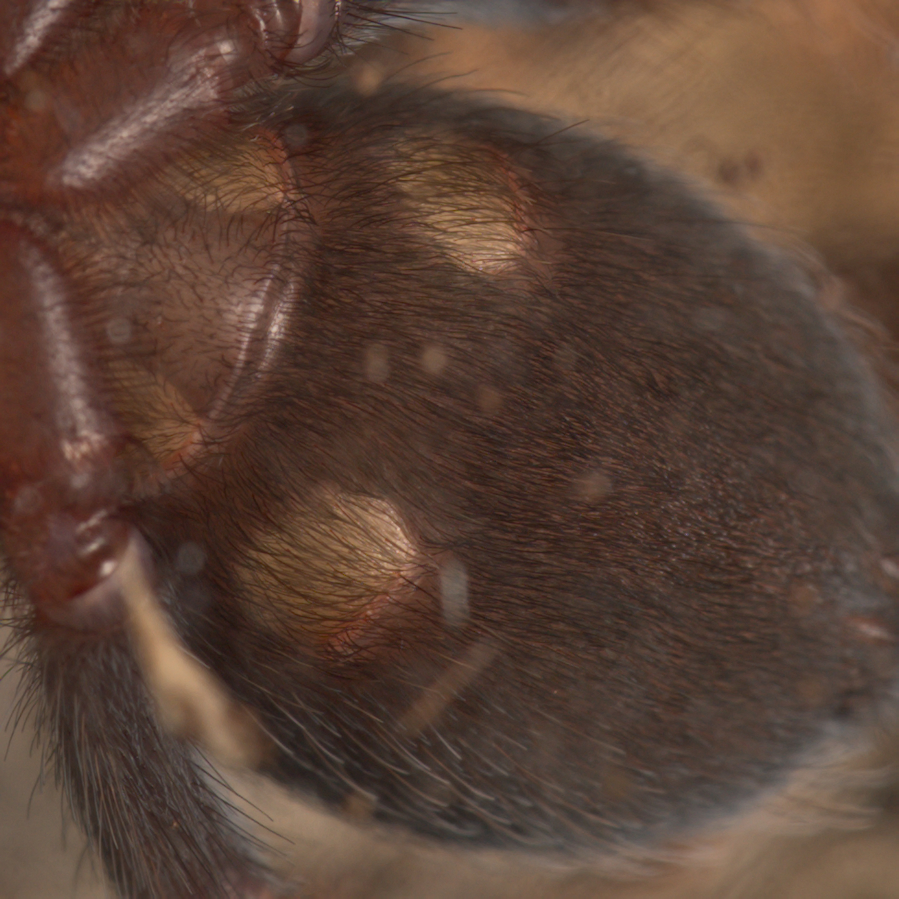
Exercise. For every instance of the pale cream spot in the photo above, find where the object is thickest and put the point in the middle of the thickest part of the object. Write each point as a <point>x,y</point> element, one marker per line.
<point>454,593</point>
<point>488,399</point>
<point>376,363</point>
<point>434,359</point>
<point>593,486</point>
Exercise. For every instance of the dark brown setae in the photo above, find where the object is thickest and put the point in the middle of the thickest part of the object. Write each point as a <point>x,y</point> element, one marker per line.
<point>514,493</point>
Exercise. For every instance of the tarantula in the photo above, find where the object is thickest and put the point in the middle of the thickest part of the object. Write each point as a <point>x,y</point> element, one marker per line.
<point>467,474</point>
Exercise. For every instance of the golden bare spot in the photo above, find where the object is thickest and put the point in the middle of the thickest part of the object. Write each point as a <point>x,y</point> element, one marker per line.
<point>470,212</point>
<point>246,178</point>
<point>332,569</point>
<point>153,411</point>
<point>355,635</point>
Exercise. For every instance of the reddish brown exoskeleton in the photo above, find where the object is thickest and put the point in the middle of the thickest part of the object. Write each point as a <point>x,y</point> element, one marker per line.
<point>494,486</point>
